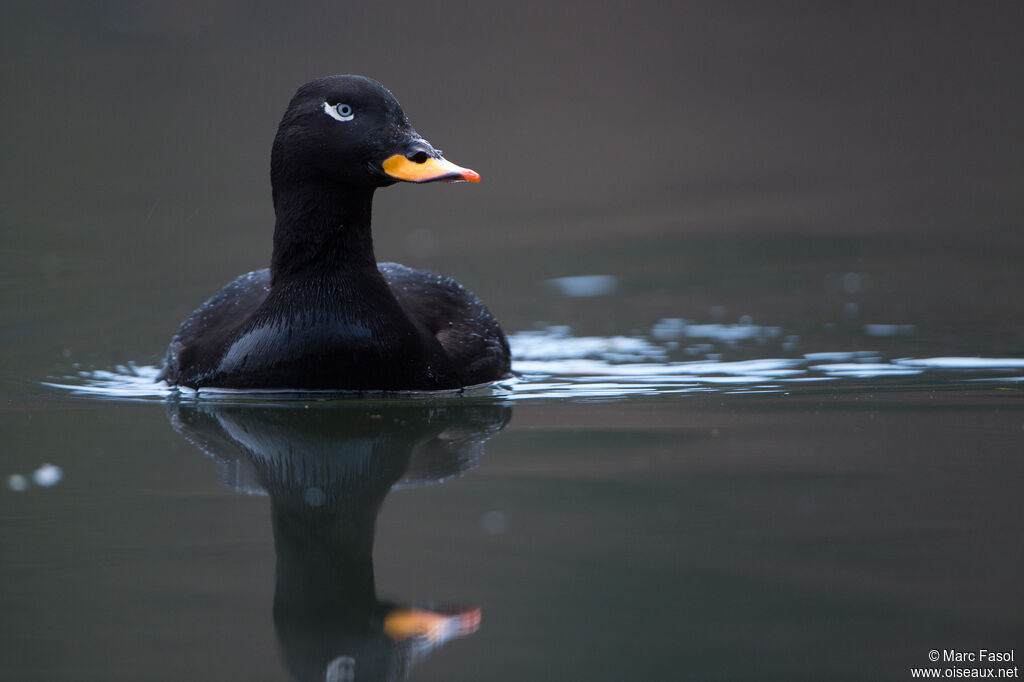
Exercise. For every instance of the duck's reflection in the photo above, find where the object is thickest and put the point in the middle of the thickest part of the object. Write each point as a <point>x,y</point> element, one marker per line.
<point>327,470</point>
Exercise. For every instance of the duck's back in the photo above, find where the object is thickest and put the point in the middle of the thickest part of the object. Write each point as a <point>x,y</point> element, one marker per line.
<point>470,336</point>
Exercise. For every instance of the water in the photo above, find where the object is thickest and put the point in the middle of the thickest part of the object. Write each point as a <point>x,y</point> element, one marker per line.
<point>700,515</point>
<point>760,271</point>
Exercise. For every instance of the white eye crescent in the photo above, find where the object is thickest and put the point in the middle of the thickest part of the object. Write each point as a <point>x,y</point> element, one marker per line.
<point>339,112</point>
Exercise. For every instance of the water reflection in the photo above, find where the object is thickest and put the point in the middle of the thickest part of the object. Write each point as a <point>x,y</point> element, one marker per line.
<point>327,470</point>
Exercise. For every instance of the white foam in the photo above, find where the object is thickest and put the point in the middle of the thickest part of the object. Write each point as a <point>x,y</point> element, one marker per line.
<point>557,343</point>
<point>126,381</point>
<point>865,370</point>
<point>963,363</point>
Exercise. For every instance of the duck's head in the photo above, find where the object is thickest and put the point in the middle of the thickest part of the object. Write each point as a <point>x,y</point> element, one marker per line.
<point>349,131</point>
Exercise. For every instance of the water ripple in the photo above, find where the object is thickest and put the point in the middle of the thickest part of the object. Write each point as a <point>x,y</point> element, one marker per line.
<point>553,363</point>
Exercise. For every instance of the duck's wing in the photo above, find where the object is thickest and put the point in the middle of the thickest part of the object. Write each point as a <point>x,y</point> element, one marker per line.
<point>196,350</point>
<point>470,336</point>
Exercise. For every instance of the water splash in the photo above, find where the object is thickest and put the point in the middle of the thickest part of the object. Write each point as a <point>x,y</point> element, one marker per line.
<point>125,382</point>
<point>554,363</point>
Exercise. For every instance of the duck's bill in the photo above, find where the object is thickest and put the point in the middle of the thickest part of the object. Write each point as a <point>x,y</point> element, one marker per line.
<point>431,170</point>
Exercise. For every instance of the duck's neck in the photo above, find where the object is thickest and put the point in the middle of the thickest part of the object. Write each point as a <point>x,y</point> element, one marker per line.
<point>321,232</point>
<point>324,560</point>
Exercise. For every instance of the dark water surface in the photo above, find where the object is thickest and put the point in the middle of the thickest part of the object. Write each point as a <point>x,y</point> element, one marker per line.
<point>761,270</point>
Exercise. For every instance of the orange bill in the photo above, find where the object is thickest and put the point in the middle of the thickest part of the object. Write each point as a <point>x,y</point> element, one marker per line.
<point>401,168</point>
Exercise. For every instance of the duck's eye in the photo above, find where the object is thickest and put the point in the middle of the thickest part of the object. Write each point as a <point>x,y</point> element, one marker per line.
<point>339,112</point>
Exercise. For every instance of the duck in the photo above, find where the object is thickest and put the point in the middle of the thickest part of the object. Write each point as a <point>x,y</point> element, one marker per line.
<point>326,315</point>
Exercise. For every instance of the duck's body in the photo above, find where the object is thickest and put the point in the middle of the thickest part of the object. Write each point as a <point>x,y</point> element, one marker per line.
<point>399,333</point>
<point>326,315</point>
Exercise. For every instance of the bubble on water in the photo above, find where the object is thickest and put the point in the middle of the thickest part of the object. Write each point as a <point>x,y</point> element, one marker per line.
<point>889,329</point>
<point>17,483</point>
<point>583,286</point>
<point>494,522</point>
<point>48,475</point>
